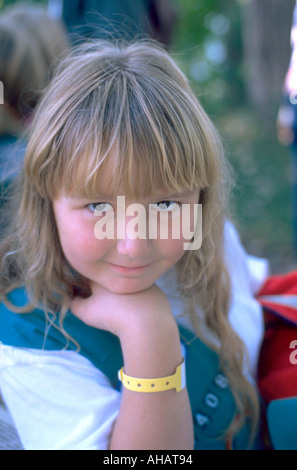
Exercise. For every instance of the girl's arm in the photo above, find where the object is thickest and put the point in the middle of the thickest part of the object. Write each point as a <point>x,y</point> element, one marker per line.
<point>151,348</point>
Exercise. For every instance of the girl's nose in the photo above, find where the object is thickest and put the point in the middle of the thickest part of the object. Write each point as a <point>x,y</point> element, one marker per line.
<point>134,247</point>
<point>134,243</point>
<point>132,232</point>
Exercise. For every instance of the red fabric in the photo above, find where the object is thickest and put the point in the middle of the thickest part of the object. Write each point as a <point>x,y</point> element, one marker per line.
<point>280,284</point>
<point>277,376</point>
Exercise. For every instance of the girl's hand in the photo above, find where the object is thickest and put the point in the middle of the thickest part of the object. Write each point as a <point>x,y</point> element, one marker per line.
<point>150,344</point>
<point>143,321</point>
<point>118,312</point>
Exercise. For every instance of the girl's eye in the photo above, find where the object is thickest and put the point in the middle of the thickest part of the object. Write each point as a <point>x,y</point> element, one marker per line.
<point>168,206</point>
<point>99,207</point>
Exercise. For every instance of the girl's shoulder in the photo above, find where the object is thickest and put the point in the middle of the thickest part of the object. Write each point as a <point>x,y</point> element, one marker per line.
<point>29,329</point>
<point>41,330</point>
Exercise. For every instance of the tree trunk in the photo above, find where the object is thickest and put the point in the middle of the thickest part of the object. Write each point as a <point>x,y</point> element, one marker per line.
<point>266,36</point>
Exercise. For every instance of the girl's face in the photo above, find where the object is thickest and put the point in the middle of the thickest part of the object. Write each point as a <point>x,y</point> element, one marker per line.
<point>120,246</point>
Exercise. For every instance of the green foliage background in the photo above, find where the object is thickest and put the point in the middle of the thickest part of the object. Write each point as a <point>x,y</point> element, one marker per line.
<point>262,197</point>
<point>208,46</point>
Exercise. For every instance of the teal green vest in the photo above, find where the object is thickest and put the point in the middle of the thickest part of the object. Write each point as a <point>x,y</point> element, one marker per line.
<point>212,403</point>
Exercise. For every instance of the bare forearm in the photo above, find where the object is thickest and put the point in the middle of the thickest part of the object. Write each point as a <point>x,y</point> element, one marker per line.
<point>160,420</point>
<point>153,423</point>
<point>151,349</point>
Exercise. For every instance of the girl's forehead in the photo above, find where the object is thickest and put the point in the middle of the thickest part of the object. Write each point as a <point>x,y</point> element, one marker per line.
<point>106,185</point>
<point>107,178</point>
<point>108,189</point>
<point>134,175</point>
<point>112,177</point>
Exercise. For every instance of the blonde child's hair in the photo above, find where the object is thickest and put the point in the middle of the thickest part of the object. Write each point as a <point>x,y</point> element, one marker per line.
<point>31,43</point>
<point>133,95</point>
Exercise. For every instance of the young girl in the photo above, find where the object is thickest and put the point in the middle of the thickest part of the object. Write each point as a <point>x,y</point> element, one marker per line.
<point>121,120</point>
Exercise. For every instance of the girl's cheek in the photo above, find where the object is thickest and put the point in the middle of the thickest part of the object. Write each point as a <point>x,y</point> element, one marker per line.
<point>88,245</point>
<point>171,249</point>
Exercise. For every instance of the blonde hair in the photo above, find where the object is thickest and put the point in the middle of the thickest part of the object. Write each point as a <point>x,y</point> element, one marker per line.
<point>30,45</point>
<point>134,95</point>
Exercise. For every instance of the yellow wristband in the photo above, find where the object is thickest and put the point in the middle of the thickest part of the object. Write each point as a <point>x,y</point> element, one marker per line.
<point>177,381</point>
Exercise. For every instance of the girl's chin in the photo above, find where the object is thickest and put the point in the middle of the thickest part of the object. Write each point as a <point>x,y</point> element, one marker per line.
<point>127,286</point>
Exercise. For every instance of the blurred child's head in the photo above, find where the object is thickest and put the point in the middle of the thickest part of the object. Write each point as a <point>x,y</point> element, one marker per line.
<point>30,45</point>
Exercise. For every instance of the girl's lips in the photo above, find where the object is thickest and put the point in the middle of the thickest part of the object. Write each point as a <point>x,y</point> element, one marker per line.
<point>128,270</point>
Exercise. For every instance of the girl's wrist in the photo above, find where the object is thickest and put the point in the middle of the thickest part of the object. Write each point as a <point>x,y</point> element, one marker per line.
<point>152,350</point>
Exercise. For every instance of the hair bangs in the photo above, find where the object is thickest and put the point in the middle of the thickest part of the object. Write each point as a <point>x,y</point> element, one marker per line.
<point>149,144</point>
<point>150,131</point>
